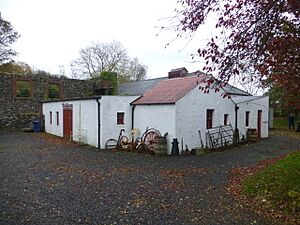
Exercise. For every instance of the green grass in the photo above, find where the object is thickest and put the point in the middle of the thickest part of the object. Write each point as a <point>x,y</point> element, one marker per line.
<point>280,122</point>
<point>278,184</point>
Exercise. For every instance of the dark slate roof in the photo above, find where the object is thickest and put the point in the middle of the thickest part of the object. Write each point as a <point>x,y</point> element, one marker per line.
<point>138,87</point>
<point>234,90</point>
<point>168,91</point>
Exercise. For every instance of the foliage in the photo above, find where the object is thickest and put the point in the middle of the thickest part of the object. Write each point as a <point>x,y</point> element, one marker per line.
<point>257,40</point>
<point>280,123</point>
<point>278,184</point>
<point>112,78</point>
<point>53,90</point>
<point>23,89</point>
<point>7,36</point>
<point>110,57</point>
<point>16,67</point>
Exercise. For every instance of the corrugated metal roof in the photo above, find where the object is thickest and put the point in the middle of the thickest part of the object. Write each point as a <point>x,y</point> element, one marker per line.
<point>168,91</point>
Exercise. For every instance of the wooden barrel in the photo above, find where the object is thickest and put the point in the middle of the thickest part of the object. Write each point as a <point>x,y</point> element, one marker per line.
<point>160,145</point>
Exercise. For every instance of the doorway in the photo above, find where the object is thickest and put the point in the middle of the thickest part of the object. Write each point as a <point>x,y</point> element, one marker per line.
<point>67,121</point>
<point>259,114</point>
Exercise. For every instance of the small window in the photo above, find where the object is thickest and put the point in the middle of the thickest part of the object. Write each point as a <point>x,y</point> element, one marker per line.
<point>50,117</point>
<point>209,118</point>
<point>57,118</point>
<point>225,119</point>
<point>120,118</point>
<point>247,119</point>
<point>23,89</point>
<point>54,90</point>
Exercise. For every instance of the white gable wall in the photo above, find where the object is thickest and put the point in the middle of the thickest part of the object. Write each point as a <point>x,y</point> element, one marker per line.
<point>191,116</point>
<point>160,117</point>
<point>253,107</point>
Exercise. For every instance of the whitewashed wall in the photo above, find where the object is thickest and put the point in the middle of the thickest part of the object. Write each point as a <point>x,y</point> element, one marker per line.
<point>161,117</point>
<point>253,107</point>
<point>191,116</point>
<point>53,128</point>
<point>84,119</point>
<point>110,106</point>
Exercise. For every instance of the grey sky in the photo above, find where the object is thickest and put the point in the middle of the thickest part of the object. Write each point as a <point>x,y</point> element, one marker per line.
<point>53,32</point>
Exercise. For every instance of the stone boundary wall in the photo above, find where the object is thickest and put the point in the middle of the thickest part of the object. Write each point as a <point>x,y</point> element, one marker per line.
<point>18,113</point>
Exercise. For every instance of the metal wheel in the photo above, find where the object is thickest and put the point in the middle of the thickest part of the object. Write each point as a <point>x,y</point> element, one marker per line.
<point>149,137</point>
<point>111,144</point>
<point>123,140</point>
<point>142,148</point>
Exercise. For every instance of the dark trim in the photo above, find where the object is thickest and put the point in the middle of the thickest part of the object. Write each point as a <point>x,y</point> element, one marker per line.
<point>99,122</point>
<point>72,99</point>
<point>132,116</point>
<point>237,132</point>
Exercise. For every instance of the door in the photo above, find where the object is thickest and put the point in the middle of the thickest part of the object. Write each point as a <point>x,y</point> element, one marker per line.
<point>259,113</point>
<point>68,121</point>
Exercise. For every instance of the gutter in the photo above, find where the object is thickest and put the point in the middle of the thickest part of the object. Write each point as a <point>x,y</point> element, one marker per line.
<point>132,117</point>
<point>99,122</point>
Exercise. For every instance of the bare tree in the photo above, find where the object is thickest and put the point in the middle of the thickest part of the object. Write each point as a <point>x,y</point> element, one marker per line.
<point>109,57</point>
<point>7,36</point>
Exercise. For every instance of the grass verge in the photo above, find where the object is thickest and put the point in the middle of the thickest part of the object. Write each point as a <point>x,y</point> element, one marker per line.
<point>277,188</point>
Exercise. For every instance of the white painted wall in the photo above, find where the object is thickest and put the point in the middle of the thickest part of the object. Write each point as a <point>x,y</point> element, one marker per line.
<point>191,116</point>
<point>160,117</point>
<point>53,128</point>
<point>253,106</point>
<point>84,119</point>
<point>110,106</point>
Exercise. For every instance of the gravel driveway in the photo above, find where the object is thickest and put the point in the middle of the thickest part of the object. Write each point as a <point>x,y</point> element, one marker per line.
<point>44,180</point>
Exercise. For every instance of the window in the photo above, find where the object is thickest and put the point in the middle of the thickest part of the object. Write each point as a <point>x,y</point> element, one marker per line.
<point>22,89</point>
<point>209,118</point>
<point>247,119</point>
<point>53,90</point>
<point>225,119</point>
<point>57,118</point>
<point>120,118</point>
<point>50,117</point>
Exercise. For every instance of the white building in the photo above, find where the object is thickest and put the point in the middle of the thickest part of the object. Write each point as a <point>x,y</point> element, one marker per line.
<point>175,106</point>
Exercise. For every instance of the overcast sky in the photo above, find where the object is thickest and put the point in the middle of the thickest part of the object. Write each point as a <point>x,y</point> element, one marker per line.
<point>53,32</point>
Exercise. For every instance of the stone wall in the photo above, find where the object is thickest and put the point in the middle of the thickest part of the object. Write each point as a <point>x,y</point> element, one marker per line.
<point>19,112</point>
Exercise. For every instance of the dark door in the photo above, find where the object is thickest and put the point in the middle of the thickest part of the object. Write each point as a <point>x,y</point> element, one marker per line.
<point>68,122</point>
<point>259,113</point>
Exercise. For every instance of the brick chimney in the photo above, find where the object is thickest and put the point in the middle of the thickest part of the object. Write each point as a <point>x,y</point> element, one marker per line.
<point>179,72</point>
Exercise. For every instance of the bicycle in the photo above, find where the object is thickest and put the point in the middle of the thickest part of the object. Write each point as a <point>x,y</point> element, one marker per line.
<point>116,144</point>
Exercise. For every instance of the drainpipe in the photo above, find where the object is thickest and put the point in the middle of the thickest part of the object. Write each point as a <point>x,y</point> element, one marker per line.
<point>132,117</point>
<point>236,130</point>
<point>99,124</point>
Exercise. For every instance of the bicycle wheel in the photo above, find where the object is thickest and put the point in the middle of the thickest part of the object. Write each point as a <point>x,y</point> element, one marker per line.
<point>111,144</point>
<point>142,148</point>
<point>124,140</point>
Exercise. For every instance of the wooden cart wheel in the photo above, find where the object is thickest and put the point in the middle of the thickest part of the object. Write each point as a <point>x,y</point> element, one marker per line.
<point>149,138</point>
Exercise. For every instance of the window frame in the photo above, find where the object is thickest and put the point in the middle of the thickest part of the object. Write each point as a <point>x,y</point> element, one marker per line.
<point>57,118</point>
<point>209,118</point>
<point>120,118</point>
<point>50,117</point>
<point>226,116</point>
<point>247,118</point>
<point>30,85</point>
<point>58,84</point>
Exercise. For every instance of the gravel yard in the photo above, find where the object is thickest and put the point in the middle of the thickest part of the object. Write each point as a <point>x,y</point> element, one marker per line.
<point>44,180</point>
